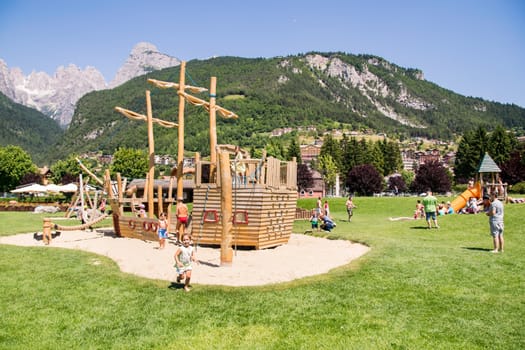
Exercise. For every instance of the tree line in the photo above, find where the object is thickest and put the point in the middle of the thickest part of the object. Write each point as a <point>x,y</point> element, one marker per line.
<point>362,164</point>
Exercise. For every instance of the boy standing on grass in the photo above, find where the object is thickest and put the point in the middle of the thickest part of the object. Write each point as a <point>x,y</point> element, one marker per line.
<point>495,214</point>
<point>184,256</point>
<point>430,203</point>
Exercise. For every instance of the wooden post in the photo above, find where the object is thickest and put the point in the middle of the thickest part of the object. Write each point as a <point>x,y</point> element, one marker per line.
<point>120,193</point>
<point>159,201</point>
<point>107,184</point>
<point>180,153</point>
<point>226,209</point>
<point>151,150</point>
<point>46,233</point>
<point>170,202</point>
<point>213,128</point>
<point>82,203</point>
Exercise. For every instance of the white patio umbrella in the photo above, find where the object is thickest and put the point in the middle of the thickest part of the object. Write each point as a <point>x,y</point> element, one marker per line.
<point>34,188</point>
<point>71,187</point>
<point>53,188</point>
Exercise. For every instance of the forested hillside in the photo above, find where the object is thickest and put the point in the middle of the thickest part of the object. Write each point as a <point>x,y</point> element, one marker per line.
<point>27,128</point>
<point>327,91</point>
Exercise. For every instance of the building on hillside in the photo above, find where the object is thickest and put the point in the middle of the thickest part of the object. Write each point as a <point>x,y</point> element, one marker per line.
<point>412,158</point>
<point>449,158</point>
<point>105,158</point>
<point>280,132</point>
<point>310,152</point>
<point>429,156</point>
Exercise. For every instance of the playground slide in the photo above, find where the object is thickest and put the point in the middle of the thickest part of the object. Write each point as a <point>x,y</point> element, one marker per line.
<point>463,198</point>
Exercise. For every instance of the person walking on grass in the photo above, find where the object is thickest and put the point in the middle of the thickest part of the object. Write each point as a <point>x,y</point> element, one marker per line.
<point>350,208</point>
<point>184,256</point>
<point>430,204</point>
<point>495,214</point>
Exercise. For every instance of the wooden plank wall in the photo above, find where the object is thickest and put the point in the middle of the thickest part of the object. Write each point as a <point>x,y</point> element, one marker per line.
<point>271,213</point>
<point>140,228</point>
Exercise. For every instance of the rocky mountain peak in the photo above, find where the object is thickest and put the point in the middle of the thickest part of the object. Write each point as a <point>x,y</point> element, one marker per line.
<point>370,85</point>
<point>144,58</point>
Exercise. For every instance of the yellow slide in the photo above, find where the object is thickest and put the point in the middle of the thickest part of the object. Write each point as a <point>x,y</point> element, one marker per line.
<point>463,198</point>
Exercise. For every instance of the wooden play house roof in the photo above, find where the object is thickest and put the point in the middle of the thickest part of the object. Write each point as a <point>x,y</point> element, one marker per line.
<point>488,165</point>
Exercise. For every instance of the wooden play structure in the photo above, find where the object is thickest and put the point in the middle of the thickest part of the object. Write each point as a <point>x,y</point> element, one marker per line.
<point>255,211</point>
<point>253,208</point>
<point>487,181</point>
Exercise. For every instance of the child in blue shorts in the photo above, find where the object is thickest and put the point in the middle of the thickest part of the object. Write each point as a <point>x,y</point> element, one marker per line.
<point>162,230</point>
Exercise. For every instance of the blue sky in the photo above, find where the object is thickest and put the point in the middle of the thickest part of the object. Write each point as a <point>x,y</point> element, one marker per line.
<point>473,47</point>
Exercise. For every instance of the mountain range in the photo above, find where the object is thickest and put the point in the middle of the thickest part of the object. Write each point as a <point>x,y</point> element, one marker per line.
<point>321,91</point>
<point>57,95</point>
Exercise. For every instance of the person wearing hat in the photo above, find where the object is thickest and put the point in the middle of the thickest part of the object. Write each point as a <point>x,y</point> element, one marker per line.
<point>142,211</point>
<point>495,214</point>
<point>182,218</point>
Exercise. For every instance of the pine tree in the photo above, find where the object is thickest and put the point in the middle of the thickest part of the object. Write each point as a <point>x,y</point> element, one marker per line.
<point>294,151</point>
<point>499,145</point>
<point>332,148</point>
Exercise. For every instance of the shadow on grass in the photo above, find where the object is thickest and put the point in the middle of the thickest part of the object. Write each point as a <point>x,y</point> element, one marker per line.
<point>477,249</point>
<point>176,286</point>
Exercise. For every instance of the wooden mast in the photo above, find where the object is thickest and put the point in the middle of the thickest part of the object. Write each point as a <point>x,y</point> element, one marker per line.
<point>210,106</point>
<point>148,190</point>
<point>226,206</point>
<point>180,153</point>
<point>151,157</point>
<point>213,127</point>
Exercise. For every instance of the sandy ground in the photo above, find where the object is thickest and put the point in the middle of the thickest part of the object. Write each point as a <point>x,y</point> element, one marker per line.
<point>302,256</point>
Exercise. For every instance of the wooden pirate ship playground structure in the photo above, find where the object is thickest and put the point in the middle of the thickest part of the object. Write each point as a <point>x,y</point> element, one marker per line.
<point>254,210</point>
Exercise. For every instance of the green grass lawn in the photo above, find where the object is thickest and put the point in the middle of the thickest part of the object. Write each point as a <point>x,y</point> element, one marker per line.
<point>415,289</point>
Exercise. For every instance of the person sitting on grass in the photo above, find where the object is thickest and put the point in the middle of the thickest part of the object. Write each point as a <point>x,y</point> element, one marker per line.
<point>419,213</point>
<point>327,223</point>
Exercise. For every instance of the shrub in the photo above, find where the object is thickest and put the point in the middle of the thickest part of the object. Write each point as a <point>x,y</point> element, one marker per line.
<point>434,176</point>
<point>364,179</point>
<point>518,188</point>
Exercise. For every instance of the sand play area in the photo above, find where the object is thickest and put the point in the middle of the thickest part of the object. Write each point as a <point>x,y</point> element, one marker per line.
<point>303,256</point>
